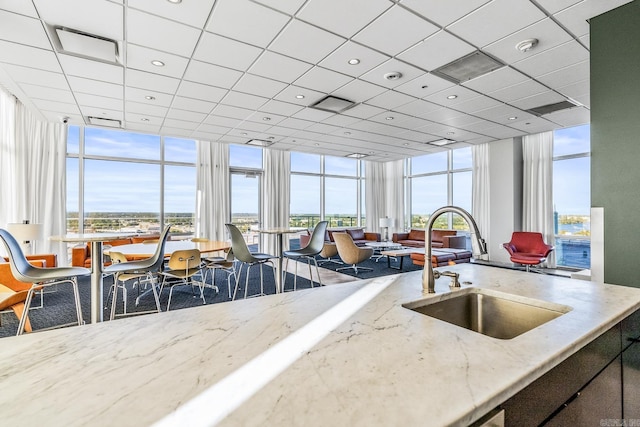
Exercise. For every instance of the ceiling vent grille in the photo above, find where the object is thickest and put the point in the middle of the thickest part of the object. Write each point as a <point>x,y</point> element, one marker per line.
<point>551,108</point>
<point>79,43</point>
<point>101,121</point>
<point>333,104</point>
<point>441,142</point>
<point>260,142</point>
<point>468,67</point>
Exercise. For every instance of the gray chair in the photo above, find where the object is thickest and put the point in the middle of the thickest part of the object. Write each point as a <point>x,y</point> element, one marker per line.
<point>149,267</point>
<point>40,277</point>
<point>309,252</point>
<point>226,265</point>
<point>244,256</point>
<point>351,253</point>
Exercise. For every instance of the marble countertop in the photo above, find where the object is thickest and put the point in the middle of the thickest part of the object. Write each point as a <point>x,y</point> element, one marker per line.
<point>346,354</point>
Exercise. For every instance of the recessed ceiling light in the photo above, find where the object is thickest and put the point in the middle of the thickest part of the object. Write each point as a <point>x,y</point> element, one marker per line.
<point>441,142</point>
<point>266,119</point>
<point>513,118</point>
<point>356,155</point>
<point>157,63</point>
<point>451,133</point>
<point>175,1</point>
<point>389,118</point>
<point>144,119</point>
<point>452,96</point>
<point>354,61</point>
<point>316,144</point>
<point>527,45</point>
<point>347,133</point>
<point>371,152</point>
<point>271,137</point>
<point>405,144</point>
<point>394,75</point>
<point>150,98</point>
<point>300,96</point>
<point>243,133</point>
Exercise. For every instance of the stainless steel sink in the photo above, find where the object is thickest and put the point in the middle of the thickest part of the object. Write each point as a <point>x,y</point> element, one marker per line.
<point>495,314</point>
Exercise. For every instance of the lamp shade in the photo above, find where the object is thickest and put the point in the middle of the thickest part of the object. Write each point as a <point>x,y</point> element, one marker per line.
<point>386,222</point>
<point>25,232</point>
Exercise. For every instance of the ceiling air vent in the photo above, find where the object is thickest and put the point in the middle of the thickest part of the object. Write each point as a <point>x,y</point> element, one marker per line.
<point>468,67</point>
<point>100,121</point>
<point>260,142</point>
<point>551,108</point>
<point>333,104</point>
<point>86,45</point>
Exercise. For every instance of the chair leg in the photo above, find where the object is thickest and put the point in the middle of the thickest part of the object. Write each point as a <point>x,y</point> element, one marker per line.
<point>235,291</point>
<point>114,300</point>
<point>286,268</point>
<point>76,294</point>
<point>246,282</point>
<point>295,278</point>
<point>317,272</point>
<point>155,291</point>
<point>25,313</point>
<point>310,274</point>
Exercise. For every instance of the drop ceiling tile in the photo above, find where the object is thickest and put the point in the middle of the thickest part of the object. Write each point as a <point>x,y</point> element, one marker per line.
<point>533,125</point>
<point>180,124</point>
<point>89,100</point>
<point>518,91</point>
<point>461,94</point>
<point>390,100</point>
<point>82,85</point>
<point>342,17</point>
<point>162,34</point>
<point>201,91</point>
<point>554,6</point>
<point>260,86</point>
<point>495,80</point>
<point>289,7</point>
<point>571,117</point>
<point>502,113</point>
<point>187,116</point>
<point>155,82</point>
<point>250,127</point>
<point>294,123</point>
<point>392,118</point>
<point>223,51</point>
<point>213,75</point>
<point>377,35</point>
<point>461,121</point>
<point>363,111</point>
<point>341,120</point>
<point>243,100</point>
<point>219,130</point>
<point>88,111</point>
<point>323,128</point>
<point>281,131</point>
<point>576,18</point>
<point>502,132</point>
<point>64,108</point>
<point>424,85</point>
<point>567,75</point>
<point>478,103</point>
<point>231,112</point>
<point>437,50</point>
<point>268,119</point>
<point>279,67</point>
<point>338,60</point>
<point>322,80</point>
<point>305,42</point>
<point>194,13</point>
<point>28,75</point>
<point>222,121</point>
<point>418,108</point>
<point>246,21</point>
<point>21,7</point>
<point>313,114</point>
<point>442,115</point>
<point>139,95</point>
<point>175,132</point>
<point>147,110</point>
<point>376,75</point>
<point>51,94</point>
<point>204,136</point>
<point>279,107</point>
<point>495,20</point>
<point>576,90</point>
<point>55,116</point>
<point>550,60</point>
<point>359,91</point>
<point>544,98</point>
<point>96,17</point>
<point>292,93</point>
<point>140,58</point>
<point>442,13</point>
<point>548,33</point>
<point>27,56</point>
<point>190,104</point>
<point>22,29</point>
<point>80,67</point>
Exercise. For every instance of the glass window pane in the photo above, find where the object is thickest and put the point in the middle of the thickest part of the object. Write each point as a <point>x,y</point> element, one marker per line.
<point>73,200</point>
<point>245,156</point>
<point>110,143</point>
<point>179,150</point>
<point>180,198</point>
<point>340,166</point>
<point>121,196</point>
<point>461,197</point>
<point>572,140</point>
<point>305,201</point>
<point>462,158</point>
<point>428,193</point>
<point>304,162</point>
<point>341,202</point>
<point>73,140</point>
<point>429,163</point>
<point>572,196</point>
<point>245,205</point>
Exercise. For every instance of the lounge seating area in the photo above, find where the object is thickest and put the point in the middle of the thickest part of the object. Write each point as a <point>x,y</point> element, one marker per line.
<point>81,254</point>
<point>439,239</point>
<point>358,234</point>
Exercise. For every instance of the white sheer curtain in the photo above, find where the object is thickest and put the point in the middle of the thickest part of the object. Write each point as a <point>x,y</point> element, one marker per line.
<point>480,193</point>
<point>212,196</point>
<point>33,161</point>
<point>537,198</point>
<point>395,194</point>
<point>375,194</point>
<point>275,199</point>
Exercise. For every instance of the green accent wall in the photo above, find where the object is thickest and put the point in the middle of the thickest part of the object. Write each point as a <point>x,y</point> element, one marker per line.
<point>615,138</point>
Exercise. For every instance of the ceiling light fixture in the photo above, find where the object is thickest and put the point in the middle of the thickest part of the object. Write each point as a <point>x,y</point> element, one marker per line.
<point>389,118</point>
<point>175,1</point>
<point>150,98</point>
<point>513,118</point>
<point>157,63</point>
<point>243,133</point>
<point>259,142</point>
<point>354,61</point>
<point>441,142</point>
<point>356,155</point>
<point>266,119</point>
<point>394,75</point>
<point>300,96</point>
<point>333,104</point>
<point>527,45</point>
<point>405,144</point>
<point>347,133</point>
<point>451,133</point>
<point>452,96</point>
<point>144,119</point>
<point>101,121</point>
<point>316,144</point>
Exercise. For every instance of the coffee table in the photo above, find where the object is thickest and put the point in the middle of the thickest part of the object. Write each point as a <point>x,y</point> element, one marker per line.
<point>399,253</point>
<point>379,247</point>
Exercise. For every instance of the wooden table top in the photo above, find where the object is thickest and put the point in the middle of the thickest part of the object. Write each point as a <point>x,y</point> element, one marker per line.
<point>145,250</point>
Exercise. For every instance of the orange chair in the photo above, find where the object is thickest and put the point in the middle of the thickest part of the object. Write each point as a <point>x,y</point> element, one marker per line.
<point>527,248</point>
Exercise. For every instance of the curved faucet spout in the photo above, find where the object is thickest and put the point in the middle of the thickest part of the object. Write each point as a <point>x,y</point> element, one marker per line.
<point>478,244</point>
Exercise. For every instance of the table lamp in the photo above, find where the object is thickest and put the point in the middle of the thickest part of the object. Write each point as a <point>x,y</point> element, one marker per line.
<point>25,232</point>
<point>385,223</point>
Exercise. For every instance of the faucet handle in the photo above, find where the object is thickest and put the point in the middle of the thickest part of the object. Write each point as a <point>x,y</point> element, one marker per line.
<point>454,278</point>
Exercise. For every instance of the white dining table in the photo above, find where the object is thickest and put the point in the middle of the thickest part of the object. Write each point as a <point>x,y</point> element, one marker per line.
<point>96,240</point>
<point>279,232</point>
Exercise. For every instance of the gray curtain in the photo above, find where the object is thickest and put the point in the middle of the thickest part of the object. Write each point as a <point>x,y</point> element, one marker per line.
<point>275,199</point>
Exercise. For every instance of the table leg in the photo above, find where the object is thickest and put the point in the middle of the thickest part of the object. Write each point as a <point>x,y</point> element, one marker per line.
<point>96,282</point>
<point>279,273</point>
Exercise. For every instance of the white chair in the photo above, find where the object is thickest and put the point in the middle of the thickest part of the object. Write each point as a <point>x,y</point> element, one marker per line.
<point>183,266</point>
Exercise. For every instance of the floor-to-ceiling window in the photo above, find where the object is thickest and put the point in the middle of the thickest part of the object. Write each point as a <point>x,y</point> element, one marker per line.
<point>326,187</point>
<point>572,196</point>
<point>245,163</point>
<point>127,181</point>
<point>437,180</point>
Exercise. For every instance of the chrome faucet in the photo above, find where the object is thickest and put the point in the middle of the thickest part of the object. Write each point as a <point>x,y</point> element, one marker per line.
<point>478,245</point>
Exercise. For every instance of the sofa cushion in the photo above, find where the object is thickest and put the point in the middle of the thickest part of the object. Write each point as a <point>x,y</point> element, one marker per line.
<point>438,235</point>
<point>416,235</point>
<point>356,233</point>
